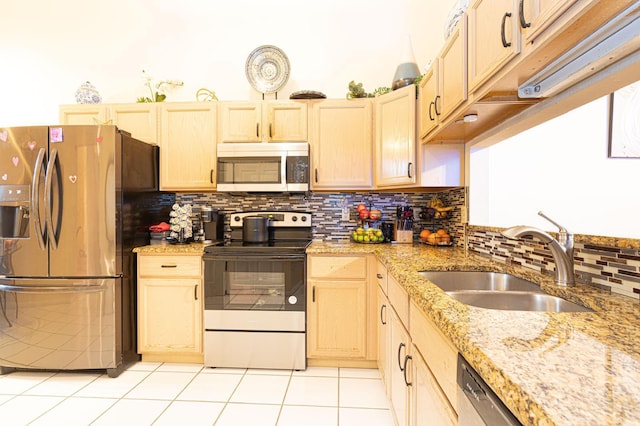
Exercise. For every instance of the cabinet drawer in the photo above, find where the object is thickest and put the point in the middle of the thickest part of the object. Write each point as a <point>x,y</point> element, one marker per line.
<point>339,267</point>
<point>381,276</point>
<point>440,354</point>
<point>169,266</point>
<point>399,299</point>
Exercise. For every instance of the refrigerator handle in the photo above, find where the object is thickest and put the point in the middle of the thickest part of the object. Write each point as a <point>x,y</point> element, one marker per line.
<point>48,182</point>
<point>35,198</point>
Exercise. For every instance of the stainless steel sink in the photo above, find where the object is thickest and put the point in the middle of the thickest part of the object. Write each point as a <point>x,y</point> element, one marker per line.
<point>478,280</point>
<point>516,301</point>
<point>494,290</point>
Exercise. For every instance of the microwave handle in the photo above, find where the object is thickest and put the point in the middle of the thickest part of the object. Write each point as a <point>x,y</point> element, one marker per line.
<point>283,171</point>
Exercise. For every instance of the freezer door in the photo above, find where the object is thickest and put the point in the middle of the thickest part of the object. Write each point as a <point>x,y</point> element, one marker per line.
<point>82,200</point>
<point>23,250</point>
<point>58,324</point>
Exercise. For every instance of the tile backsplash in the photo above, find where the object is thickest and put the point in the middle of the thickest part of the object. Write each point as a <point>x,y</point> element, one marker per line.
<point>608,263</point>
<point>326,208</point>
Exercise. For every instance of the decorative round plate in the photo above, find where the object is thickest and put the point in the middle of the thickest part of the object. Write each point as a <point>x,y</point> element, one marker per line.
<point>307,94</point>
<point>267,69</point>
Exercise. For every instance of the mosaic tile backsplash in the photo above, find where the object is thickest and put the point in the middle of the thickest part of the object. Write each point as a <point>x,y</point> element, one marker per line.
<point>326,208</point>
<point>613,268</point>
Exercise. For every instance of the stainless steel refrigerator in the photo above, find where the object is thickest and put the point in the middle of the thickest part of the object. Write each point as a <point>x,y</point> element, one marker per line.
<point>68,223</point>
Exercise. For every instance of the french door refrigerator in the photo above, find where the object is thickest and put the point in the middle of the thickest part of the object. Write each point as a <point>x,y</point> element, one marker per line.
<point>67,227</point>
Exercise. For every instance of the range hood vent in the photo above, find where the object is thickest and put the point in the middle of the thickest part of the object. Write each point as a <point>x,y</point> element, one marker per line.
<point>616,40</point>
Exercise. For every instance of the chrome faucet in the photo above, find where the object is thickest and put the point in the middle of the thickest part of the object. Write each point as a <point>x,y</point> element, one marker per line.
<point>562,249</point>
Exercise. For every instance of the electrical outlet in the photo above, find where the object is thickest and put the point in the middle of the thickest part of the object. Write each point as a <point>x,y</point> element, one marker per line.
<point>345,213</point>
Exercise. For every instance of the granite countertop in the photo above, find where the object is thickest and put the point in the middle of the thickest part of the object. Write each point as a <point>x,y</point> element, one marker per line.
<point>192,248</point>
<point>548,368</point>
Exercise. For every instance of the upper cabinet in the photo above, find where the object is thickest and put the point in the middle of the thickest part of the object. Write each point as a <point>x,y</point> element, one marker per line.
<point>444,86</point>
<point>140,119</point>
<point>187,146</point>
<point>494,38</point>
<point>84,114</point>
<point>395,140</point>
<point>263,121</point>
<point>535,16</point>
<point>341,144</point>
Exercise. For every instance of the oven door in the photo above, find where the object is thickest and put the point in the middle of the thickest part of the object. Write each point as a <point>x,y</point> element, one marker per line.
<point>260,282</point>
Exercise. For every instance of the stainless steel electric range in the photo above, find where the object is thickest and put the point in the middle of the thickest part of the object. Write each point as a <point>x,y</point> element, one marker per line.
<point>255,295</point>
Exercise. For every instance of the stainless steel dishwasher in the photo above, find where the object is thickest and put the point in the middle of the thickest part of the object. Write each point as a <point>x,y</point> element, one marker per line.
<point>477,404</point>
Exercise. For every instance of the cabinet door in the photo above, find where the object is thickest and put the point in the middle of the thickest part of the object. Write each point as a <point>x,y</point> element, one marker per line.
<point>395,154</point>
<point>427,98</point>
<point>452,72</point>
<point>86,114</point>
<point>286,122</point>
<point>187,146</point>
<point>169,315</point>
<point>429,406</point>
<point>240,121</point>
<point>494,38</point>
<point>536,15</point>
<point>141,120</point>
<point>384,334</point>
<point>400,360</point>
<point>341,144</point>
<point>336,319</point>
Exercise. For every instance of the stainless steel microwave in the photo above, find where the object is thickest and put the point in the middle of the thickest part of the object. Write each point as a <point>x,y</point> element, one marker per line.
<point>263,167</point>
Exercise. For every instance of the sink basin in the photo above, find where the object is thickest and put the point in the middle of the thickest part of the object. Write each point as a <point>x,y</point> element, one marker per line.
<point>516,301</point>
<point>495,290</point>
<point>478,280</point>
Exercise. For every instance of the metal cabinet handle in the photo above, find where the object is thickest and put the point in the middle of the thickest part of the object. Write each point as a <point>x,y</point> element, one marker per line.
<point>404,370</point>
<point>313,294</point>
<point>505,43</point>
<point>382,309</point>
<point>195,292</point>
<point>257,130</point>
<point>431,104</point>
<point>435,105</point>
<point>270,131</point>
<point>523,20</point>
<point>168,266</point>
<point>379,276</point>
<point>211,175</point>
<point>409,170</point>
<point>400,346</point>
<point>316,175</point>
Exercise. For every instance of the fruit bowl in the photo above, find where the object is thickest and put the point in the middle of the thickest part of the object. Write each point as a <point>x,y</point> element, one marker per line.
<point>366,242</point>
<point>367,236</point>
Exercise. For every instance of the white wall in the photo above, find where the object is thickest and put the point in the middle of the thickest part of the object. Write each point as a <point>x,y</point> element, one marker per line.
<point>47,49</point>
<point>560,167</point>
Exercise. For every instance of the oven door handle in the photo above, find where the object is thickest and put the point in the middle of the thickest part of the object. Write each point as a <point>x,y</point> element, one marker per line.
<point>248,258</point>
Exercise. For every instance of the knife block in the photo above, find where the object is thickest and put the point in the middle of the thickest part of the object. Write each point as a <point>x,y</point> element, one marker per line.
<point>405,237</point>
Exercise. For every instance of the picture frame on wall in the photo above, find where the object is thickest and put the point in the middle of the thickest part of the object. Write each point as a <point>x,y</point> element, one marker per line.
<point>624,122</point>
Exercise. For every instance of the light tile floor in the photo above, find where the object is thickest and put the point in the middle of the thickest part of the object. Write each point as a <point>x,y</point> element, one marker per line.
<point>173,394</point>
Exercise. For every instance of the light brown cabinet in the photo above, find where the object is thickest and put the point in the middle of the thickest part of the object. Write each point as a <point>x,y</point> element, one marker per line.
<point>340,310</point>
<point>493,38</point>
<point>384,326</point>
<point>395,139</point>
<point>429,406</point>
<point>263,121</point>
<point>535,16</point>
<point>341,144</point>
<point>84,114</point>
<point>187,146</point>
<point>444,86</point>
<point>170,308</point>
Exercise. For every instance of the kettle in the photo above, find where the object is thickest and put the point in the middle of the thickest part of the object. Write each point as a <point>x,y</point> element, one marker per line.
<point>255,229</point>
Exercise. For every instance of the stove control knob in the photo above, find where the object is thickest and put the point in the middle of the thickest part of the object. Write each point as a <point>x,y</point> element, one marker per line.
<point>293,300</point>
<point>237,218</point>
<point>294,218</point>
<point>304,218</point>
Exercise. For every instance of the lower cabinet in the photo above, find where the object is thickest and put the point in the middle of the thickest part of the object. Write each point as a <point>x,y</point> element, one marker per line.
<point>416,361</point>
<point>170,308</point>
<point>340,311</point>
